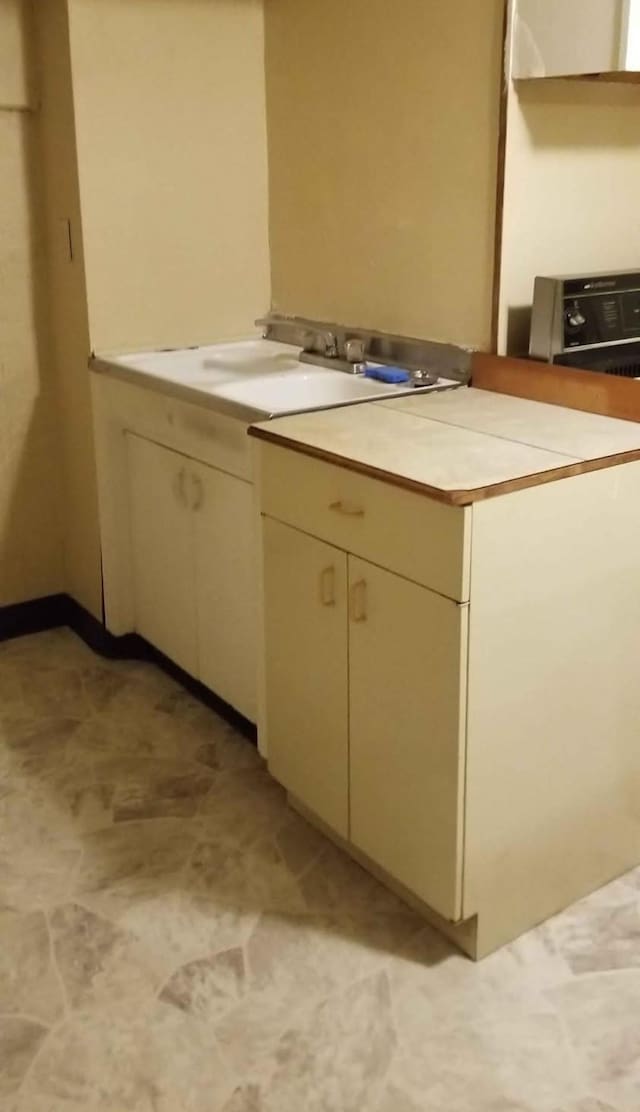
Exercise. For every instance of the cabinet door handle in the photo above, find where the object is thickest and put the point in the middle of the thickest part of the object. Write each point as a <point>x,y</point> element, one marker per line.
<point>347,509</point>
<point>198,492</point>
<point>179,486</point>
<point>359,601</point>
<point>328,586</point>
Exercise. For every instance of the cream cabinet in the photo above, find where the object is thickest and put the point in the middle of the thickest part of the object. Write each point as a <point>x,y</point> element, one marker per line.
<point>162,551</point>
<point>364,716</point>
<point>194,579</point>
<point>306,665</point>
<point>226,586</point>
<point>407,660</point>
<point>452,689</point>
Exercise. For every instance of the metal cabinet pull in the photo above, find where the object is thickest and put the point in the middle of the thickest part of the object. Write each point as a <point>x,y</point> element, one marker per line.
<point>198,492</point>
<point>328,586</point>
<point>359,601</point>
<point>347,509</point>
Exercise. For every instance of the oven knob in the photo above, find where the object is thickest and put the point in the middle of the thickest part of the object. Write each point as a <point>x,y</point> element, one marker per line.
<point>575,318</point>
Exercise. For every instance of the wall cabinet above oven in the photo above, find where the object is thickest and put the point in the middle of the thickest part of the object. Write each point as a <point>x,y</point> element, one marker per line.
<point>576,38</point>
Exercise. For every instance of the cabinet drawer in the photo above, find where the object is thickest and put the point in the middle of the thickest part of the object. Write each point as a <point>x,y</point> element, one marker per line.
<point>408,533</point>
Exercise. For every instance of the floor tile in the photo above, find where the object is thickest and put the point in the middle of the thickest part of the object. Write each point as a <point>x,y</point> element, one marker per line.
<point>20,1040</point>
<point>244,878</point>
<point>174,938</point>
<point>606,938</point>
<point>600,1013</point>
<point>179,926</point>
<point>208,987</point>
<point>127,862</point>
<point>101,965</point>
<point>155,1060</point>
<point>339,1057</point>
<point>151,789</point>
<point>29,984</point>
<point>242,807</point>
<point>37,864</point>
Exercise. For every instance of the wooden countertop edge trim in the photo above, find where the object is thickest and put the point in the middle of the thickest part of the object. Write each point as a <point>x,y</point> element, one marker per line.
<point>449,497</point>
<point>586,391</point>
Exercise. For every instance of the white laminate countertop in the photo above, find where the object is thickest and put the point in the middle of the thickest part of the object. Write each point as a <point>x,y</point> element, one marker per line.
<point>567,431</point>
<point>460,445</point>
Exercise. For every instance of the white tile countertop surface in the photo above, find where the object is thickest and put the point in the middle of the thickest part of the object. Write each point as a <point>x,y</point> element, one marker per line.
<point>462,445</point>
<point>568,431</point>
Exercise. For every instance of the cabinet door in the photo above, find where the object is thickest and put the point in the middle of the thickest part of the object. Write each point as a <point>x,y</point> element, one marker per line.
<point>162,550</point>
<point>407,648</point>
<point>226,590</point>
<point>306,674</point>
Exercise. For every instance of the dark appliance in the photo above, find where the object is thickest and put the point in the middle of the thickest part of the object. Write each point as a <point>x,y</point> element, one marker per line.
<point>588,322</point>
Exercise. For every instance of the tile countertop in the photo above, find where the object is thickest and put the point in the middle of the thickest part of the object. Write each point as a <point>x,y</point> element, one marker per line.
<point>460,446</point>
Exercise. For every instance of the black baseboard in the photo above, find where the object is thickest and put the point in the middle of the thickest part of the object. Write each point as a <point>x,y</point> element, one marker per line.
<point>134,647</point>
<point>97,636</point>
<point>33,617</point>
<point>54,611</point>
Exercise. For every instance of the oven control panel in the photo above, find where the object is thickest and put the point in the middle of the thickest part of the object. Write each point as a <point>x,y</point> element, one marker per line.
<point>584,313</point>
<point>601,318</point>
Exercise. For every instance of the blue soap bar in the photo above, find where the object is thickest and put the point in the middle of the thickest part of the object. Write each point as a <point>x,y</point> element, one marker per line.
<point>388,374</point>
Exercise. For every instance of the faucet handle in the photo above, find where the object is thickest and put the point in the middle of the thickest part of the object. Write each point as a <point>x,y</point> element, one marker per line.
<point>329,344</point>
<point>354,350</point>
<point>424,377</point>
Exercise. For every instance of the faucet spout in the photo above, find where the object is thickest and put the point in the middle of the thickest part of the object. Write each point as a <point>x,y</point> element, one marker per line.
<point>323,349</point>
<point>321,343</point>
<point>330,341</point>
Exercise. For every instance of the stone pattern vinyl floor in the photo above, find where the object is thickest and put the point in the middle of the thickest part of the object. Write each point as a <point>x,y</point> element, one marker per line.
<point>174,939</point>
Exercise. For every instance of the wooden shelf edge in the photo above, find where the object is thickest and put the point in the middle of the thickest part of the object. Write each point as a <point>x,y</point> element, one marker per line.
<point>587,391</point>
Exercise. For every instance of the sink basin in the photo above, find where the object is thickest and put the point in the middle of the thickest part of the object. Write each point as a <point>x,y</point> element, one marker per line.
<point>302,389</point>
<point>252,379</point>
<point>215,364</point>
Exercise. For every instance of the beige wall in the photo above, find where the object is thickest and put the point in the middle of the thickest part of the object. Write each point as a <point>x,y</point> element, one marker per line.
<point>30,530</point>
<point>571,189</point>
<point>16,64</point>
<point>69,329</point>
<point>164,191</point>
<point>171,132</point>
<point>383,129</point>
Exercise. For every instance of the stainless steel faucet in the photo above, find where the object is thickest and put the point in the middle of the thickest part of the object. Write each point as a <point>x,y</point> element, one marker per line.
<point>424,359</point>
<point>329,345</point>
<point>323,349</point>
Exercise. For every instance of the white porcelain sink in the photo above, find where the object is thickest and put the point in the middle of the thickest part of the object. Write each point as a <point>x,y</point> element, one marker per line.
<point>215,364</point>
<point>251,379</point>
<point>302,389</point>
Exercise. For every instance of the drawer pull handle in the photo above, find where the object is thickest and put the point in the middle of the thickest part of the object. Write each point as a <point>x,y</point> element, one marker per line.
<point>198,492</point>
<point>179,486</point>
<point>359,601</point>
<point>347,509</point>
<point>328,586</point>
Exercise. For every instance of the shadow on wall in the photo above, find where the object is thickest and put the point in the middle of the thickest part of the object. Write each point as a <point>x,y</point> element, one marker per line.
<point>518,328</point>
<point>31,563</point>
